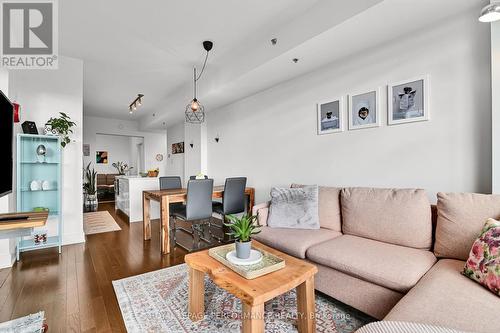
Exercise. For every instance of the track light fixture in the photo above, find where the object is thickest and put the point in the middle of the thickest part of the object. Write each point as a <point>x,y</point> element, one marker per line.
<point>195,112</point>
<point>135,103</point>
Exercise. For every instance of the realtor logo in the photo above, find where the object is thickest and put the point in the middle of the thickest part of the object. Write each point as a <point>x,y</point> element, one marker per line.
<point>29,34</point>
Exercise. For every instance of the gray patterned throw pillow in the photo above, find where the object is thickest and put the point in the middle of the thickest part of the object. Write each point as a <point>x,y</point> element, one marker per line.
<point>295,208</point>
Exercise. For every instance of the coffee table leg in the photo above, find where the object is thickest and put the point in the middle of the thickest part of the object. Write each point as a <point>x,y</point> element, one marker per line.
<point>253,318</point>
<point>306,307</point>
<point>196,294</point>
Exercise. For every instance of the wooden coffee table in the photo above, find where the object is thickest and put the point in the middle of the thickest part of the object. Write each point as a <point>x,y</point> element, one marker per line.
<point>254,293</point>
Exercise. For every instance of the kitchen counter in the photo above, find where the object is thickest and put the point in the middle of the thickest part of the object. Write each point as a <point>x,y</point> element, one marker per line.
<point>128,196</point>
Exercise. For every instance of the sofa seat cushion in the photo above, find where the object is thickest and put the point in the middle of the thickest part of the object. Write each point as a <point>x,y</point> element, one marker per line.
<point>294,241</point>
<point>395,267</point>
<point>445,297</point>
<point>396,216</point>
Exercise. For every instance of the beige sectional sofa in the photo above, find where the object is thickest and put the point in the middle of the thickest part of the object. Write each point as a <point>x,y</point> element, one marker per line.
<point>375,251</point>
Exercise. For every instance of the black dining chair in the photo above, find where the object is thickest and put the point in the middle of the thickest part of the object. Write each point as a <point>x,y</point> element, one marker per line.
<point>194,177</point>
<point>198,207</point>
<point>233,200</point>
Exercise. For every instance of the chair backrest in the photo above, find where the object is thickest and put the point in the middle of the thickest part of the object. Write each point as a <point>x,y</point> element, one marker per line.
<point>233,201</point>
<point>199,199</point>
<point>194,177</point>
<point>170,183</point>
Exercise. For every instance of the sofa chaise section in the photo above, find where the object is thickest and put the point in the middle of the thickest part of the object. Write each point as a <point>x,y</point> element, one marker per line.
<point>444,297</point>
<point>391,266</point>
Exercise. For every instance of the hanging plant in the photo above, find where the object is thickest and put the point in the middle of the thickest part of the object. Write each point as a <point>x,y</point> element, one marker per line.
<point>61,126</point>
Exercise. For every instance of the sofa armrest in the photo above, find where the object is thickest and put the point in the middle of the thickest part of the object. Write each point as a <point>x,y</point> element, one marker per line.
<point>261,210</point>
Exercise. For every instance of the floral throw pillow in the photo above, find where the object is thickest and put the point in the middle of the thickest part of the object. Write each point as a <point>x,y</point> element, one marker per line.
<point>483,264</point>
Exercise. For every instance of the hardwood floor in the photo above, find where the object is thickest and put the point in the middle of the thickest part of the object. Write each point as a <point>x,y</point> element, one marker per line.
<point>74,288</point>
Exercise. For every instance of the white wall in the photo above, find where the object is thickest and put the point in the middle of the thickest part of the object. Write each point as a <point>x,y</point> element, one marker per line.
<point>495,107</point>
<point>175,162</point>
<point>43,94</point>
<point>271,137</point>
<point>154,142</point>
<point>119,149</point>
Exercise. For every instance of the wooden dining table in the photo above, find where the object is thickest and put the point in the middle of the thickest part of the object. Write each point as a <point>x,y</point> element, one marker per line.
<point>165,198</point>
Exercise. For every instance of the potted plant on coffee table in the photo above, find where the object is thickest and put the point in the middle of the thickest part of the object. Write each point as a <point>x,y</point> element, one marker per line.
<point>242,228</point>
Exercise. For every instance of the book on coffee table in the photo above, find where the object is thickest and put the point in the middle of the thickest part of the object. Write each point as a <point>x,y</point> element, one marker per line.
<point>269,263</point>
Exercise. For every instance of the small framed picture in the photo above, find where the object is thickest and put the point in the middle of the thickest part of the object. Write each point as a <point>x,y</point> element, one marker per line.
<point>330,116</point>
<point>408,101</point>
<point>101,157</point>
<point>178,148</point>
<point>364,110</point>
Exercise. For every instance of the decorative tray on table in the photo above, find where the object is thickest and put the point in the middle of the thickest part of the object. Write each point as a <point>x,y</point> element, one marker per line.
<point>269,263</point>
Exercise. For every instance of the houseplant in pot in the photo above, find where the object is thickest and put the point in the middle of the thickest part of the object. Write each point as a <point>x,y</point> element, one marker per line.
<point>90,188</point>
<point>241,229</point>
<point>122,168</point>
<point>61,126</point>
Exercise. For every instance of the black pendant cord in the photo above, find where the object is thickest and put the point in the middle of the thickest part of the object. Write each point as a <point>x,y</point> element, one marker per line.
<point>194,76</point>
<point>203,68</point>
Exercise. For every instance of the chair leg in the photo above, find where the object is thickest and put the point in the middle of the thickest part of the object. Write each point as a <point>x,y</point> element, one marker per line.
<point>173,230</point>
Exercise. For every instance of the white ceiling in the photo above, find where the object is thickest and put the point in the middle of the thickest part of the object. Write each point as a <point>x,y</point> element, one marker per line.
<point>150,47</point>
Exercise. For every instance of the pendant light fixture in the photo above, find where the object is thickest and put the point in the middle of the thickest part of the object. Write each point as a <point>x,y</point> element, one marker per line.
<point>490,13</point>
<point>195,112</point>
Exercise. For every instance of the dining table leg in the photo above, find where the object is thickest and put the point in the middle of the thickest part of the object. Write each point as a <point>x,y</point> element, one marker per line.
<point>165,229</point>
<point>146,219</point>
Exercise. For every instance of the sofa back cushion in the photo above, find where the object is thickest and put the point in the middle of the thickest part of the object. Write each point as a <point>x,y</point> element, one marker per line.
<point>329,207</point>
<point>460,219</point>
<point>395,216</point>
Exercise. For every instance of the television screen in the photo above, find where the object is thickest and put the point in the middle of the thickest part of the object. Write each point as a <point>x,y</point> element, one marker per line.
<point>6,138</point>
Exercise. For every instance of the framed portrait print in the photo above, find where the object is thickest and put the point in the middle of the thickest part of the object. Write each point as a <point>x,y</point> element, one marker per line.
<point>330,116</point>
<point>408,101</point>
<point>364,110</point>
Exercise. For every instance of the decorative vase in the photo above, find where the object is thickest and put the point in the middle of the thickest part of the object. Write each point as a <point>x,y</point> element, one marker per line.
<point>41,151</point>
<point>91,203</point>
<point>243,249</point>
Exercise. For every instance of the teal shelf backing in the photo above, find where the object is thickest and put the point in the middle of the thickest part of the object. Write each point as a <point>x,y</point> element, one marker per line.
<point>30,167</point>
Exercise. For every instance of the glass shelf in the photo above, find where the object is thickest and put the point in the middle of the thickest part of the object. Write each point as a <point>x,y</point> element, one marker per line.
<point>40,163</point>
<point>29,244</point>
<point>30,191</point>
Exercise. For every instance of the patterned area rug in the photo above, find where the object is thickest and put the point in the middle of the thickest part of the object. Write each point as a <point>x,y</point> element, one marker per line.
<point>99,222</point>
<point>29,324</point>
<point>157,302</point>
